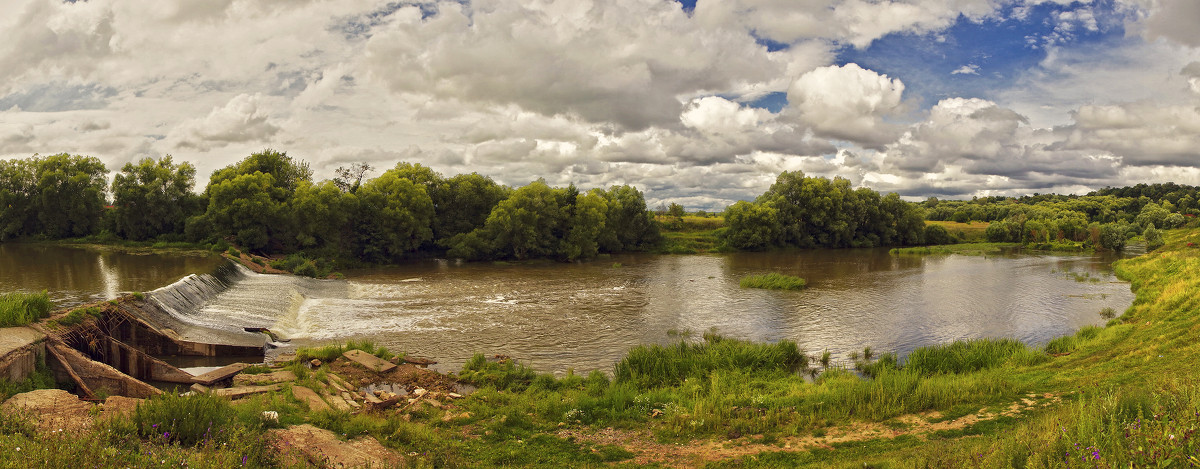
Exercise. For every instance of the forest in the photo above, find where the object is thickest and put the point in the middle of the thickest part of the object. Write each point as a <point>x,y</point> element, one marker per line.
<point>269,203</point>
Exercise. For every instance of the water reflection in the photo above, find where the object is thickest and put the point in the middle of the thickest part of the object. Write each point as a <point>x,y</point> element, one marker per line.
<point>74,276</point>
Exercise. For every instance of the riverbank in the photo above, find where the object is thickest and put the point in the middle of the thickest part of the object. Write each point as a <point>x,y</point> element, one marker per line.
<point>731,403</point>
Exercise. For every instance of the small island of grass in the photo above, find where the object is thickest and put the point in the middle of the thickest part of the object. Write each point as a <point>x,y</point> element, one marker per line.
<point>773,281</point>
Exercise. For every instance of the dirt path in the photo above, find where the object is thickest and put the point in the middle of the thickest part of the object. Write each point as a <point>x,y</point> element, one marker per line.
<point>647,450</point>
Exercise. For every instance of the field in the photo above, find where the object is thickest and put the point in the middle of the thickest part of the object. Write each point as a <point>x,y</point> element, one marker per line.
<point>972,232</point>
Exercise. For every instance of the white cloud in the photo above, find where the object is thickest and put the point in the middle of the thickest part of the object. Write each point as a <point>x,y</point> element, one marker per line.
<point>969,69</point>
<point>242,119</point>
<point>847,103</point>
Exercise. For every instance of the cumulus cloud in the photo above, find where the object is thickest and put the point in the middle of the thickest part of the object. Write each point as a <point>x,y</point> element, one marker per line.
<point>242,119</point>
<point>856,22</point>
<point>847,103</point>
<point>624,62</point>
<point>1175,20</point>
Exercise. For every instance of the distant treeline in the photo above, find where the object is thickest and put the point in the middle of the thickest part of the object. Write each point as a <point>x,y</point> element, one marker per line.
<point>1105,218</point>
<point>268,202</point>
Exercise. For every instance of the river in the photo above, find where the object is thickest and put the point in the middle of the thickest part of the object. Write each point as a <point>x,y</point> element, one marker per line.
<point>585,316</point>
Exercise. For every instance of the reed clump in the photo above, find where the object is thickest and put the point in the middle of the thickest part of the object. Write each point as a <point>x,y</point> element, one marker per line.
<point>773,281</point>
<point>657,366</point>
<point>19,309</point>
<point>962,356</point>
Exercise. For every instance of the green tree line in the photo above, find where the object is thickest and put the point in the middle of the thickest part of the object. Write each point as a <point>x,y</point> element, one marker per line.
<point>269,203</point>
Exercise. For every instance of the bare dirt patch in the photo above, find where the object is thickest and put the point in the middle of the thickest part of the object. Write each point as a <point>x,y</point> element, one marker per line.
<point>647,450</point>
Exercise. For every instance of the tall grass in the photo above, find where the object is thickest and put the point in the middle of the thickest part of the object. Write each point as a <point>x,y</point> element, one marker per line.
<point>962,356</point>
<point>185,420</point>
<point>330,353</point>
<point>773,281</point>
<point>656,366</point>
<point>18,309</point>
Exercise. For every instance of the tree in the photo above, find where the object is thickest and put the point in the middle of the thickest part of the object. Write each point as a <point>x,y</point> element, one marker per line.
<point>249,207</point>
<point>350,178</point>
<point>287,173</point>
<point>463,204</point>
<point>628,225</point>
<point>752,226</point>
<point>249,200</point>
<point>395,217</point>
<point>18,187</point>
<point>1153,237</point>
<point>585,225</point>
<point>153,198</point>
<point>323,216</point>
<point>937,234</point>
<point>70,196</point>
<point>522,226</point>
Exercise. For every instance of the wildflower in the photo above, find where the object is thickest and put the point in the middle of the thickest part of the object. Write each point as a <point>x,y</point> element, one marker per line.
<point>1096,455</point>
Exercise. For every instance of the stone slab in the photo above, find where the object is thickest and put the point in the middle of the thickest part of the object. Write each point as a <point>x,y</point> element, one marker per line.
<point>243,391</point>
<point>220,374</point>
<point>310,397</point>
<point>369,361</point>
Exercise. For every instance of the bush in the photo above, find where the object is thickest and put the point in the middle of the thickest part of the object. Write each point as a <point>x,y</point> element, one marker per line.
<point>503,375</point>
<point>937,234</point>
<point>773,281</point>
<point>18,309</point>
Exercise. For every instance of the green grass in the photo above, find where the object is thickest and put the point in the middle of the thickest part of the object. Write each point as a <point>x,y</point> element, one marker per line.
<point>78,315</point>
<point>773,281</point>
<point>329,353</point>
<point>962,356</point>
<point>19,309</point>
<point>969,249</point>
<point>657,366</point>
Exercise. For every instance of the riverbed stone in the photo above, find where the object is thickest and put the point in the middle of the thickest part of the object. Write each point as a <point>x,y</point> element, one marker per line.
<point>310,397</point>
<point>369,361</point>
<point>312,446</point>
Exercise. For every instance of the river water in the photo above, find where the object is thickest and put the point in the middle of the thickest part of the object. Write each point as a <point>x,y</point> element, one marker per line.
<point>585,316</point>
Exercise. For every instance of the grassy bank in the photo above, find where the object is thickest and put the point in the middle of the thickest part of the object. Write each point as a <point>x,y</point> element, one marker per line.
<point>1126,394</point>
<point>691,234</point>
<point>19,309</point>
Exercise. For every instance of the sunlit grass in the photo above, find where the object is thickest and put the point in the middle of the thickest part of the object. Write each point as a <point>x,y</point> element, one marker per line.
<point>18,308</point>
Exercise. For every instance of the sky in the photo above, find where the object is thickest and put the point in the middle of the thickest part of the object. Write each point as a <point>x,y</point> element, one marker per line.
<point>697,102</point>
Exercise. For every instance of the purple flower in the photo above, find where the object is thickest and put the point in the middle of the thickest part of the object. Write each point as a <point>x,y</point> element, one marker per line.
<point>1096,455</point>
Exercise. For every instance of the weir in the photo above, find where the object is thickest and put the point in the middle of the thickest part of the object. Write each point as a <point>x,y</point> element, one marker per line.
<point>122,348</point>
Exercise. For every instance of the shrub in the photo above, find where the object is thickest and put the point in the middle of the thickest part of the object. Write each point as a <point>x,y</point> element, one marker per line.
<point>232,251</point>
<point>18,309</point>
<point>773,281</point>
<point>937,234</point>
<point>503,374</point>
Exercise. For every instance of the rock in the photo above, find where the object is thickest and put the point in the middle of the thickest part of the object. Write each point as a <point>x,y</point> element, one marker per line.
<point>281,376</point>
<point>314,363</point>
<point>369,361</point>
<point>120,405</point>
<point>243,391</point>
<point>270,416</point>
<point>372,398</point>
<point>310,397</point>
<point>306,445</point>
<point>434,403</point>
<point>52,410</point>
<point>419,392</point>
<point>455,395</point>
<point>200,388</point>
<point>419,361</point>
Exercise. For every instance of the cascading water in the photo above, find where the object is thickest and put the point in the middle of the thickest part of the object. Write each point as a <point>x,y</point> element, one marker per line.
<point>233,298</point>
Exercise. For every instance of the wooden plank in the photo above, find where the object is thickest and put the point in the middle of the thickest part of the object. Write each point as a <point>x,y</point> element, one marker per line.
<point>220,374</point>
<point>369,361</point>
<point>62,359</point>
